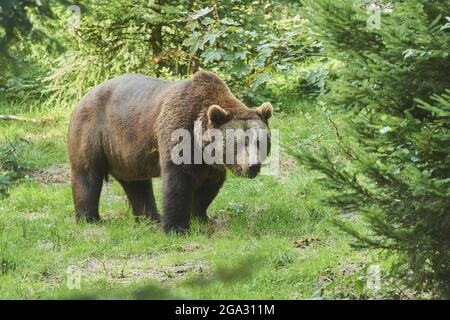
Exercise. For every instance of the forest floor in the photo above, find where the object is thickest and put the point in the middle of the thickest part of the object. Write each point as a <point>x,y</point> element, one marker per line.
<point>269,237</point>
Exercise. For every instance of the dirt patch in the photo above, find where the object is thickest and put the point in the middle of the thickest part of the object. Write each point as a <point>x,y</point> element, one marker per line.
<point>287,163</point>
<point>306,241</point>
<point>190,247</point>
<point>45,244</point>
<point>345,269</point>
<point>51,175</point>
<point>325,281</point>
<point>94,232</point>
<point>326,278</point>
<point>182,270</point>
<point>132,269</point>
<point>35,215</point>
<point>218,226</point>
<point>351,216</point>
<point>348,269</point>
<point>50,133</point>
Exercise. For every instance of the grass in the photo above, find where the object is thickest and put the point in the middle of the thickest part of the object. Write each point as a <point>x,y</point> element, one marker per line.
<point>270,237</point>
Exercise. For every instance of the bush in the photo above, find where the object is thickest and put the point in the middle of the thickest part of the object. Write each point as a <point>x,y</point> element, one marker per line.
<point>12,167</point>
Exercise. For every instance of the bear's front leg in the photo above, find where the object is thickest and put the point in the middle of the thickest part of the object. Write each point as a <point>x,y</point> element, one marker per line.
<point>205,194</point>
<point>178,196</point>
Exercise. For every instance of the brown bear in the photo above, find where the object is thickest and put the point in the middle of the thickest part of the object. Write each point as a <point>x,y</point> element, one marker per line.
<point>124,128</point>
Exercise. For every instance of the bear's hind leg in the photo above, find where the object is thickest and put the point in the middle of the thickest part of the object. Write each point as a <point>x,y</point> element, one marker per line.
<point>142,200</point>
<point>86,189</point>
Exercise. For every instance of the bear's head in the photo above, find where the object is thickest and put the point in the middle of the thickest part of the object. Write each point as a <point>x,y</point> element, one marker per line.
<point>245,136</point>
<point>240,134</point>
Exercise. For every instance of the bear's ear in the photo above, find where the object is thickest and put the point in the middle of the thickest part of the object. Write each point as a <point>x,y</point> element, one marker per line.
<point>265,111</point>
<point>217,116</point>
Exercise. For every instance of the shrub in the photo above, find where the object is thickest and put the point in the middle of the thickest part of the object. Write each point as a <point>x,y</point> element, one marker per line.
<point>12,166</point>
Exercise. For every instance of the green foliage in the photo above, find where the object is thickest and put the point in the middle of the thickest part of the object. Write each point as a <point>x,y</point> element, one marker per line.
<point>246,42</point>
<point>28,43</point>
<point>15,21</point>
<point>392,164</point>
<point>314,77</point>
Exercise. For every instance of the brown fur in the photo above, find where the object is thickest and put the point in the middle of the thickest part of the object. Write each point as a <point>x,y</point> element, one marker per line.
<point>123,128</point>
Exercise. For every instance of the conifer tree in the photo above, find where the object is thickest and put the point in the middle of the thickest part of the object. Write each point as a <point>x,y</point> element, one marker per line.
<point>394,162</point>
